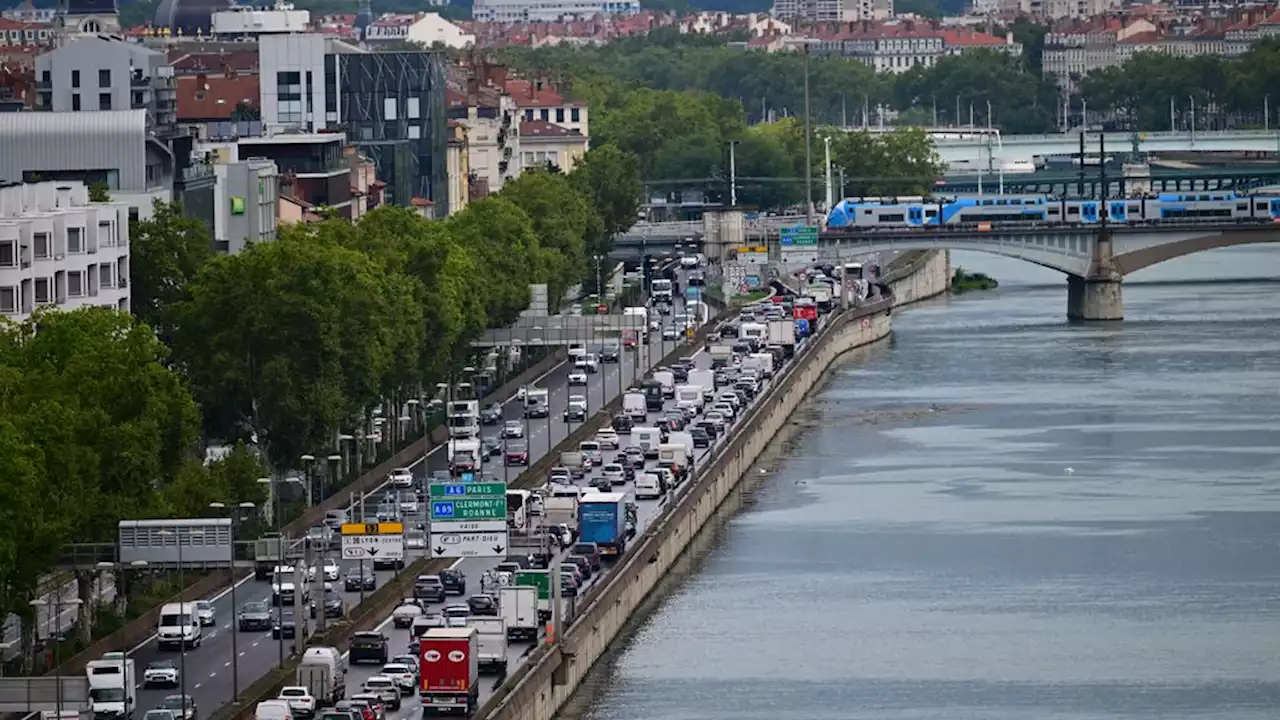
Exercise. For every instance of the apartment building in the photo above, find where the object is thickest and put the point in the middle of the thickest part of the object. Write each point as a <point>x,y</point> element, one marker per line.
<point>525,11</point>
<point>833,10</point>
<point>901,45</point>
<point>57,249</point>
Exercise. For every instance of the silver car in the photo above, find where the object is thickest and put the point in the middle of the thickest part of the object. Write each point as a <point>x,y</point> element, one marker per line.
<point>415,540</point>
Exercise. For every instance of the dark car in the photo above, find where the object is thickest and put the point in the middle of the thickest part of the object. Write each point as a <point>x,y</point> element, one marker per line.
<point>428,587</point>
<point>183,706</point>
<point>453,581</point>
<point>582,563</point>
<point>677,419</point>
<point>588,550</point>
<point>254,616</point>
<point>680,373</point>
<point>601,483</point>
<point>491,415</point>
<point>370,647</point>
<point>483,606</point>
<point>333,605</point>
<point>358,580</point>
<point>610,353</point>
<point>491,446</point>
<point>517,454</point>
<point>622,423</point>
<point>285,626</point>
<point>386,563</point>
<point>575,413</point>
<point>709,428</point>
<point>701,438</point>
<point>568,583</point>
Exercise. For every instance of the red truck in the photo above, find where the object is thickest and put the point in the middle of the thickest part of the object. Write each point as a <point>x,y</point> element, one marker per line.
<point>449,662</point>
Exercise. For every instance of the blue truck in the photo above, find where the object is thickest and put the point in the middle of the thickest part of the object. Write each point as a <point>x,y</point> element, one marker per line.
<point>602,519</point>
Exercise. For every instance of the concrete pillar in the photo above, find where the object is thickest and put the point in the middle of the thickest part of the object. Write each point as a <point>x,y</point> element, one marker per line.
<point>1097,297</point>
<point>1137,179</point>
<point>722,229</point>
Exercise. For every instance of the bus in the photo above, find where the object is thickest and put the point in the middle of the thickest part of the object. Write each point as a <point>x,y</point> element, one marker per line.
<point>518,509</point>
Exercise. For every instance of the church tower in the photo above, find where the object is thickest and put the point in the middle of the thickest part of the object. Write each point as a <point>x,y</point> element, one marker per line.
<point>91,17</point>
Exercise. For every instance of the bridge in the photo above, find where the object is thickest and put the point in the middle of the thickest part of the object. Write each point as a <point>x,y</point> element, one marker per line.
<point>993,150</point>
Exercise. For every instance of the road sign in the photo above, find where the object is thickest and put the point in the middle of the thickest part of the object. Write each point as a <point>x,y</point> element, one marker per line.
<point>540,579</point>
<point>474,489</point>
<point>753,254</point>
<point>800,235</point>
<point>480,508</point>
<point>448,544</point>
<point>372,547</point>
<point>378,528</point>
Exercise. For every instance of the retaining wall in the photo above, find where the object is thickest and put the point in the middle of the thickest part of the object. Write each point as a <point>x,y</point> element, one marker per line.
<point>550,677</point>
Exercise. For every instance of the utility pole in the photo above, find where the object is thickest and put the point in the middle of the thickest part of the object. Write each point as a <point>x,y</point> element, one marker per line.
<point>808,141</point>
<point>733,175</point>
<point>826,141</point>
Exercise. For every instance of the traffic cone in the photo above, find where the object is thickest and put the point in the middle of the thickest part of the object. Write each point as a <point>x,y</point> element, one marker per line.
<point>551,634</point>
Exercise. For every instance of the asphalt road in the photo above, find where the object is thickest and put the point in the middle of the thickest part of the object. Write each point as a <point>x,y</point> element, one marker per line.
<point>209,671</point>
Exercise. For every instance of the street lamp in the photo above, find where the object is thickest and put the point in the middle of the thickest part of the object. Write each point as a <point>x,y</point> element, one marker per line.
<point>235,630</point>
<point>308,469</point>
<point>277,576</point>
<point>180,538</point>
<point>105,566</point>
<point>53,605</point>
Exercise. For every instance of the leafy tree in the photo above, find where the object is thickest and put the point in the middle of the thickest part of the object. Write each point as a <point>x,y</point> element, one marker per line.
<point>99,192</point>
<point>293,339</point>
<point>563,222</point>
<point>902,162</point>
<point>231,480</point>
<point>981,79</point>
<point>610,180</point>
<point>168,251</point>
<point>501,238</point>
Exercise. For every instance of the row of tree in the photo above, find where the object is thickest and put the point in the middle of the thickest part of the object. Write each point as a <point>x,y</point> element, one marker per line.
<point>281,346</point>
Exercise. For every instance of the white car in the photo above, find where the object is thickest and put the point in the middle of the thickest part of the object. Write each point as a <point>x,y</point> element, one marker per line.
<point>587,363</point>
<point>578,377</point>
<point>299,699</point>
<point>160,672</point>
<point>385,688</point>
<point>689,261</point>
<point>608,438</point>
<point>513,429</point>
<point>614,473</point>
<point>409,504</point>
<point>401,478</point>
<point>204,613</point>
<point>330,569</point>
<point>456,615</point>
<point>403,675</point>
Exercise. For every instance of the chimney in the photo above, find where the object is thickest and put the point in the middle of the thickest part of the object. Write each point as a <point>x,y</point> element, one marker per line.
<point>64,196</point>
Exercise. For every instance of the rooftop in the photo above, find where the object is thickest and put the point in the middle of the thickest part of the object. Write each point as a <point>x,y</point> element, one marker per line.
<point>542,128</point>
<point>218,98</point>
<point>294,139</point>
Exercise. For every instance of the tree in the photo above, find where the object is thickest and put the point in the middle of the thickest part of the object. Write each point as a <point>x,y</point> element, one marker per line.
<point>230,480</point>
<point>500,237</point>
<point>562,222</point>
<point>902,162</point>
<point>610,180</point>
<point>294,339</point>
<point>168,251</point>
<point>99,192</point>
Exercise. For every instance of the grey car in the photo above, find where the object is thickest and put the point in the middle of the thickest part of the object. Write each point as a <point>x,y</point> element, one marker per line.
<point>254,616</point>
<point>183,711</point>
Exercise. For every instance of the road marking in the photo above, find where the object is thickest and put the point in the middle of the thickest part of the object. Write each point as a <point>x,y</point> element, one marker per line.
<point>255,644</point>
<point>197,687</point>
<point>242,652</point>
<point>228,663</point>
<point>212,674</point>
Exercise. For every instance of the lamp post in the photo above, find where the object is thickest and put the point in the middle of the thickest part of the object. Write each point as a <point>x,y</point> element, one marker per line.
<point>308,471</point>
<point>276,577</point>
<point>53,611</point>
<point>808,141</point>
<point>180,538</point>
<point>235,630</point>
<point>137,565</point>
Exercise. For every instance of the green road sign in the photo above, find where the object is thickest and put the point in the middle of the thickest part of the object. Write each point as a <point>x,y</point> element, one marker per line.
<point>540,579</point>
<point>475,508</point>
<point>448,491</point>
<point>798,235</point>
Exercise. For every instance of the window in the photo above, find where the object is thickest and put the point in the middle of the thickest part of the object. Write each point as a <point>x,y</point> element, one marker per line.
<point>8,254</point>
<point>575,115</point>
<point>8,300</point>
<point>415,132</point>
<point>75,78</point>
<point>41,242</point>
<point>75,283</point>
<point>42,290</point>
<point>139,100</point>
<point>45,80</point>
<point>75,102</point>
<point>528,114</point>
<point>412,109</point>
<point>289,97</point>
<point>389,109</point>
<point>559,115</point>
<point>545,114</point>
<point>104,275</point>
<point>104,235</point>
<point>104,78</point>
<point>75,241</point>
<point>104,101</point>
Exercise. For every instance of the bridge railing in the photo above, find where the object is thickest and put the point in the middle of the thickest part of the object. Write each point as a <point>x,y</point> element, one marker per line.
<point>1119,134</point>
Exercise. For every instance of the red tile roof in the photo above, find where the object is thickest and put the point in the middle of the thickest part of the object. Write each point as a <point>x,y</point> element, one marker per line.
<point>542,128</point>
<point>526,93</point>
<point>218,100</point>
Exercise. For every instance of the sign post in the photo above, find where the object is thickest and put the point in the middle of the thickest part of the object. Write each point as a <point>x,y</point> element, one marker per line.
<point>468,519</point>
<point>799,244</point>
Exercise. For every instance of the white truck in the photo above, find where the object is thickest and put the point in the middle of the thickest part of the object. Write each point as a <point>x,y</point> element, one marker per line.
<point>668,382</point>
<point>465,454</point>
<point>537,403</point>
<point>821,294</point>
<point>323,673</point>
<point>493,642</point>
<point>661,290</point>
<point>705,379</point>
<point>464,418</point>
<point>674,457</point>
<point>782,332</point>
<point>689,395</point>
<point>634,407</point>
<point>113,686</point>
<point>520,611</point>
<point>179,627</point>
<point>560,509</point>
<point>758,332</point>
<point>643,314</point>
<point>721,355</point>
<point>761,362</point>
<point>648,439</point>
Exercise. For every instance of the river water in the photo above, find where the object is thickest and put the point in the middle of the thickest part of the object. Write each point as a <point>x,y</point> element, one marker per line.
<point>999,516</point>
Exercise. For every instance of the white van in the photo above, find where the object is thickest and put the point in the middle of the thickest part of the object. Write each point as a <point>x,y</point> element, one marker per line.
<point>273,710</point>
<point>648,438</point>
<point>179,626</point>
<point>648,486</point>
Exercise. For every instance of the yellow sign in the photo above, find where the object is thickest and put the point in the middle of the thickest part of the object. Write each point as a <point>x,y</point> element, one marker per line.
<point>754,249</point>
<point>378,528</point>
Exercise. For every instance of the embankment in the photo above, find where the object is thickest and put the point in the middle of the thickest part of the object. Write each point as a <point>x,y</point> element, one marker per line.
<point>543,684</point>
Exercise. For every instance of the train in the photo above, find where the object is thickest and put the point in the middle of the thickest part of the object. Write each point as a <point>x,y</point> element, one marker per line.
<point>984,211</point>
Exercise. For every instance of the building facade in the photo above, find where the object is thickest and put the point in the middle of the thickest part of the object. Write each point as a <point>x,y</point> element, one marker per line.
<point>57,249</point>
<point>428,29</point>
<point>525,11</point>
<point>545,144</point>
<point>833,10</point>
<point>245,208</point>
<point>298,81</point>
<point>102,73</point>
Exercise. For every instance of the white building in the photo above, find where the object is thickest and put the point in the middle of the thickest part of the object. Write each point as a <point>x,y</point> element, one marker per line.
<point>824,11</point>
<point>428,29</point>
<point>247,21</point>
<point>527,11</point>
<point>58,249</point>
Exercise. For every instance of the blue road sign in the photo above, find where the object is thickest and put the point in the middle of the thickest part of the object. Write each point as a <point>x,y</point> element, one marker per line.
<point>442,509</point>
<point>467,477</point>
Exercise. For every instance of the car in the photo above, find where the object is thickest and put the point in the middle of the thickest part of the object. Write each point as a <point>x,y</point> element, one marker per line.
<point>334,607</point>
<point>330,569</point>
<point>456,615</point>
<point>408,504</point>
<point>689,261</point>
<point>588,363</point>
<point>614,474</point>
<point>610,353</point>
<point>491,415</point>
<point>415,539</point>
<point>405,677</point>
<point>359,579</point>
<point>321,537</point>
<point>401,478</point>
<point>162,673</point>
<point>160,714</point>
<point>622,424</point>
<point>483,606</point>
<point>369,706</point>
<point>410,660</point>
<point>591,453</point>
<point>670,333</point>
<point>346,712</point>
<point>701,438</point>
<point>429,588</point>
<point>513,429</point>
<point>386,689</point>
<point>204,613</point>
<point>368,647</point>
<point>300,700</point>
<point>491,445</point>
<point>583,565</point>
<point>403,616</point>
<point>183,706</point>
<point>577,377</point>
<point>285,626</point>
<point>576,409</point>
<point>454,581</point>
<point>254,615</point>
<point>608,438</point>
<point>382,562</point>
<point>517,454</point>
<point>568,584</point>
<point>716,418</point>
<point>635,453</point>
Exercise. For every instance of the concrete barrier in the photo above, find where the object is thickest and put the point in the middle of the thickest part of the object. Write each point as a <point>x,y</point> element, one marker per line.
<point>552,674</point>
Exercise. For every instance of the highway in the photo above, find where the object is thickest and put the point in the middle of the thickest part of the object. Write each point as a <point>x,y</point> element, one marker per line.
<point>209,670</point>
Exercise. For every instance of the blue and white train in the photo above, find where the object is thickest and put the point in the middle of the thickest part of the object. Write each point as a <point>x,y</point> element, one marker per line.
<point>983,211</point>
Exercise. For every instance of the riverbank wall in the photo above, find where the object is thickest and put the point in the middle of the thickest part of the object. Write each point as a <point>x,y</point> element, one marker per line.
<point>547,681</point>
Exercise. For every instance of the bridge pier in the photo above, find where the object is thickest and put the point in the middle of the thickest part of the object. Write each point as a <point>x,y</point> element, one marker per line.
<point>722,229</point>
<point>1097,296</point>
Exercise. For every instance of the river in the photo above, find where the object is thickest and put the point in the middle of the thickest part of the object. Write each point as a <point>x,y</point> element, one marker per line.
<point>1000,516</point>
